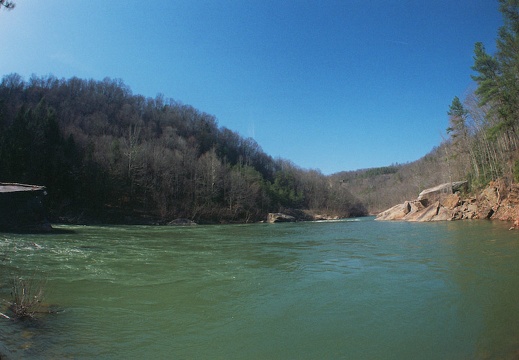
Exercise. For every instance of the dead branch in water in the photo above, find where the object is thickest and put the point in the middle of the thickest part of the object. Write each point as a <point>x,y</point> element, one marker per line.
<point>26,297</point>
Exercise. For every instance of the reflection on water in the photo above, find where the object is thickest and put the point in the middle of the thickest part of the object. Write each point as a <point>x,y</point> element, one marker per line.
<point>352,289</point>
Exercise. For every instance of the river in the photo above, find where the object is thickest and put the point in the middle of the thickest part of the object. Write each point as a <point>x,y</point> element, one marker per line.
<point>355,289</point>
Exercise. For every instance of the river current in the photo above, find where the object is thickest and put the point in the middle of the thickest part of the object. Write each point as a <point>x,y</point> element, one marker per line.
<point>353,289</point>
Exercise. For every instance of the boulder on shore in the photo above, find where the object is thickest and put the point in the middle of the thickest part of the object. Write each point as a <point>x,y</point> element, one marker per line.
<point>440,192</point>
<point>181,222</point>
<point>279,217</point>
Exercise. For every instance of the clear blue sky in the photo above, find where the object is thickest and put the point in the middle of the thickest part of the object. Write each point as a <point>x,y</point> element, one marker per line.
<point>330,85</point>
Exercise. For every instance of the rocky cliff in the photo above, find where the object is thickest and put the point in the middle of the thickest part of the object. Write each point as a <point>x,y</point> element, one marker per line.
<point>22,208</point>
<point>444,202</point>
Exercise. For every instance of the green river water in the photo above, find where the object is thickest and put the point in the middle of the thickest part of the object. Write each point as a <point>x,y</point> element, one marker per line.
<point>355,289</point>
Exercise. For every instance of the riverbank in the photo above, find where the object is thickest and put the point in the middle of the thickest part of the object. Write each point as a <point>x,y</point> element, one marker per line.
<point>122,216</point>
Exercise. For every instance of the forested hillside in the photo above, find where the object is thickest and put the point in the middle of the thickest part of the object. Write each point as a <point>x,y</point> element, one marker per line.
<point>108,155</point>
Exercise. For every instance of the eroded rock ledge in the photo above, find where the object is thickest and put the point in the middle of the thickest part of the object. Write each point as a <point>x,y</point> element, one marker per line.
<point>444,202</point>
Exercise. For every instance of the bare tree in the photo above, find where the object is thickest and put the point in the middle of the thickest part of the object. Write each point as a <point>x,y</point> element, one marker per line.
<point>132,149</point>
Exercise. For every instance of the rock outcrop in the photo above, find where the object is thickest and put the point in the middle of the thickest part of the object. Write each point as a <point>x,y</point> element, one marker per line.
<point>440,192</point>
<point>440,203</point>
<point>507,207</point>
<point>22,208</point>
<point>279,217</point>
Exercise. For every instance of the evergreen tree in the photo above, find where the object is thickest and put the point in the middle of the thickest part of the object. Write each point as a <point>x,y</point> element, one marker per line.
<point>457,115</point>
<point>497,77</point>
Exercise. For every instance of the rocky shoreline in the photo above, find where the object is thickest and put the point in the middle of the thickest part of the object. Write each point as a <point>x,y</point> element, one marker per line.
<point>294,215</point>
<point>497,201</point>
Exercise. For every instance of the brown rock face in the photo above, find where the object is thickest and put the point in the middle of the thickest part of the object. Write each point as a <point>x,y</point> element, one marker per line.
<point>429,213</point>
<point>487,201</point>
<point>397,212</point>
<point>508,209</point>
<point>451,201</point>
<point>496,201</point>
<point>467,209</point>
